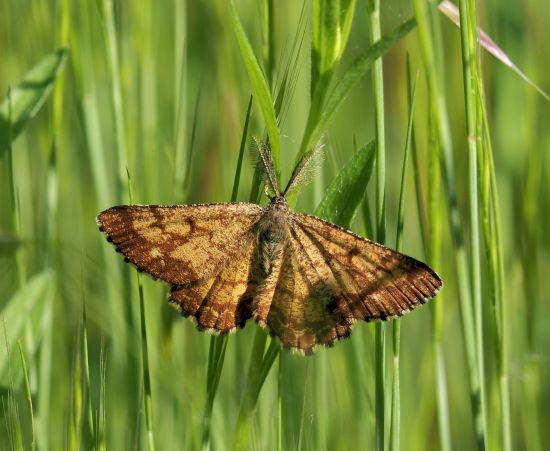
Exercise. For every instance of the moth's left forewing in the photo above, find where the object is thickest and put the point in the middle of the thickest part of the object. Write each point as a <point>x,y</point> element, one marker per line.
<point>181,243</point>
<point>386,283</point>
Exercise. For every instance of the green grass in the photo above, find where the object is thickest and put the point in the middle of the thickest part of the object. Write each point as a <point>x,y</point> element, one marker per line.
<point>90,359</point>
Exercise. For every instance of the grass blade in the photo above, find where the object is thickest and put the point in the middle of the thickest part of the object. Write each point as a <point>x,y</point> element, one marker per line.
<point>148,398</point>
<point>345,193</point>
<point>237,178</point>
<point>21,308</point>
<point>395,422</point>
<point>433,241</point>
<point>260,87</point>
<point>11,411</point>
<point>471,92</point>
<point>318,120</point>
<point>28,97</point>
<point>442,126</point>
<point>145,371</point>
<point>107,11</point>
<point>86,363</point>
<point>76,397</point>
<point>331,26</point>
<point>251,392</point>
<point>102,411</point>
<point>27,393</point>
<point>493,252</point>
<point>373,10</point>
<point>450,10</point>
<point>268,38</point>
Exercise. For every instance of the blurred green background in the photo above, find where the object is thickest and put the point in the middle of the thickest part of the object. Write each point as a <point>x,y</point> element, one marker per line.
<point>164,83</point>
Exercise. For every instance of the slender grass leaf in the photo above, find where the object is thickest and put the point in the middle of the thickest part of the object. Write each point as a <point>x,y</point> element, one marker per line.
<point>260,87</point>
<point>145,370</point>
<point>27,393</point>
<point>331,25</point>
<point>86,364</point>
<point>450,10</point>
<point>251,391</point>
<point>24,306</point>
<point>237,178</point>
<point>395,413</point>
<point>291,69</point>
<point>269,357</point>
<point>29,96</point>
<point>473,89</point>
<point>493,243</point>
<point>345,193</point>
<point>317,125</point>
<point>441,126</point>
<point>403,188</point>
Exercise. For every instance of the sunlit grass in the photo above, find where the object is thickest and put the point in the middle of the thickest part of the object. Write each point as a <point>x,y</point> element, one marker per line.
<point>162,91</point>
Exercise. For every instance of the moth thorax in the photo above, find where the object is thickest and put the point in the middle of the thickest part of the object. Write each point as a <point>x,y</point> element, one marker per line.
<point>272,235</point>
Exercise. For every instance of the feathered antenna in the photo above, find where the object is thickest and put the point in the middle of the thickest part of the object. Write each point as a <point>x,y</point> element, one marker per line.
<point>304,169</point>
<point>266,160</point>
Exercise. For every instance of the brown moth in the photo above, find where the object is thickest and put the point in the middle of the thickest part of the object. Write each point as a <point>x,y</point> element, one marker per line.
<point>305,280</point>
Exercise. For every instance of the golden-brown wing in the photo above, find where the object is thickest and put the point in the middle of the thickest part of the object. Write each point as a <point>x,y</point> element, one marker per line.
<point>373,282</point>
<point>294,303</point>
<point>182,243</point>
<point>326,278</point>
<point>221,303</point>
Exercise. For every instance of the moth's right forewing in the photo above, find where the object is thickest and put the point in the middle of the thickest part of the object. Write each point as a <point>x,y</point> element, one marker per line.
<point>182,243</point>
<point>387,282</point>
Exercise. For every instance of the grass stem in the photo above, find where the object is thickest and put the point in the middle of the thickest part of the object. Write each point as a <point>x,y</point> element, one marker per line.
<point>395,419</point>
<point>116,97</point>
<point>468,33</point>
<point>86,360</point>
<point>442,124</point>
<point>28,394</point>
<point>145,370</point>
<point>148,399</point>
<point>373,10</point>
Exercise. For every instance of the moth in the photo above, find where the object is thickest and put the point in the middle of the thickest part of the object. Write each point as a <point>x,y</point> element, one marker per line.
<point>305,280</point>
